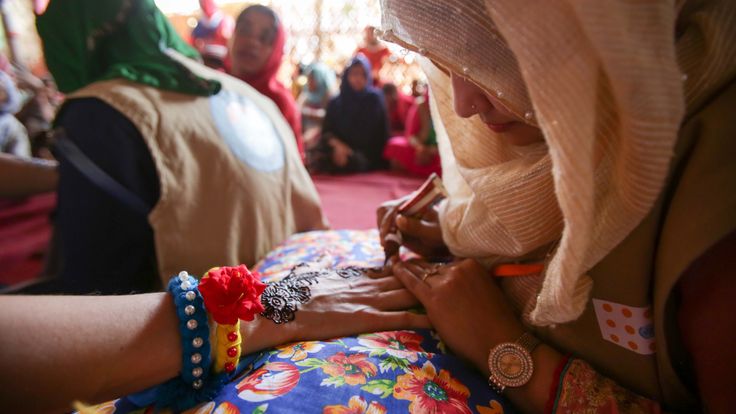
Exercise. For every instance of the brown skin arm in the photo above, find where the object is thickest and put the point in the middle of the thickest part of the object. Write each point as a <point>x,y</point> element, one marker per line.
<point>58,349</point>
<point>707,322</point>
<point>465,284</point>
<point>23,177</point>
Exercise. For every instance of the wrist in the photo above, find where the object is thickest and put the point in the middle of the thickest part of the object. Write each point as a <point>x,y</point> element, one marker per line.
<point>511,364</point>
<point>510,334</point>
<point>534,396</point>
<point>262,333</point>
<point>231,295</point>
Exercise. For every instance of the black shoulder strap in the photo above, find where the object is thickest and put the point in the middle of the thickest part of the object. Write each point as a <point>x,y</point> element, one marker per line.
<point>66,149</point>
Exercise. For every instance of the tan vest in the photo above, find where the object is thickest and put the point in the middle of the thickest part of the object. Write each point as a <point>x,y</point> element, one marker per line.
<point>232,182</point>
<point>695,210</point>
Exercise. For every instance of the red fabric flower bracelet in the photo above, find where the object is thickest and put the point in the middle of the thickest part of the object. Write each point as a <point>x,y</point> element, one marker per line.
<point>230,294</point>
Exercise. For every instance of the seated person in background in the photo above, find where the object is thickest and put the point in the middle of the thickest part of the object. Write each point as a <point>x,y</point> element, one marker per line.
<point>397,107</point>
<point>314,98</point>
<point>376,52</point>
<point>415,151</point>
<point>211,36</point>
<point>203,169</point>
<point>418,88</point>
<point>355,129</point>
<point>13,135</point>
<point>256,53</point>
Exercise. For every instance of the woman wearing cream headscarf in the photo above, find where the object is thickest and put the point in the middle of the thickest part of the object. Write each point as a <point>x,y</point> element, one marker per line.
<point>602,181</point>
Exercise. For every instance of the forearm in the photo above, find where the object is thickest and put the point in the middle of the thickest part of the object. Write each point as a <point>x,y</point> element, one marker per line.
<point>262,333</point>
<point>23,177</point>
<point>87,348</point>
<point>96,348</point>
<point>533,396</point>
<point>58,349</point>
<point>577,387</point>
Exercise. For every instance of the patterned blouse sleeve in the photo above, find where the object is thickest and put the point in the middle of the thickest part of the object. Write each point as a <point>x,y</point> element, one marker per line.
<point>581,389</point>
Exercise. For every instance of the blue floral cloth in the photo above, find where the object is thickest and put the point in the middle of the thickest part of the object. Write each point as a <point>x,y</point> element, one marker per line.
<point>374,373</point>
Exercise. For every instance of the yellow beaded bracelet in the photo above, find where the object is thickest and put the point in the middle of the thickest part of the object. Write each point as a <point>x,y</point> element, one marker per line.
<point>230,294</point>
<point>228,347</point>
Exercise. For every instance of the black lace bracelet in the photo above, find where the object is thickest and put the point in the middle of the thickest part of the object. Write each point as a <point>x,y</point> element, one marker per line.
<point>281,299</point>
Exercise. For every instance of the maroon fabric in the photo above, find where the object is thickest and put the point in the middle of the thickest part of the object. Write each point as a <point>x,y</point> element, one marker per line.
<point>25,231</point>
<point>266,83</point>
<point>350,201</point>
<point>399,149</point>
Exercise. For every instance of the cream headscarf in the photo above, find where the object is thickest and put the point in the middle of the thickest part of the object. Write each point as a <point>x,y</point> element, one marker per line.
<point>601,81</point>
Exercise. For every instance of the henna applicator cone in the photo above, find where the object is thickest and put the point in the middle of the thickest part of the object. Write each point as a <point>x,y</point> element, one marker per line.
<point>431,192</point>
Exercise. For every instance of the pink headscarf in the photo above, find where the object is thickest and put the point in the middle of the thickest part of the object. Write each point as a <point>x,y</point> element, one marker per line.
<point>265,82</point>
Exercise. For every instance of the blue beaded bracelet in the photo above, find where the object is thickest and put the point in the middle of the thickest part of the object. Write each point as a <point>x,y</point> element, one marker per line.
<point>192,386</point>
<point>195,384</point>
<point>194,329</point>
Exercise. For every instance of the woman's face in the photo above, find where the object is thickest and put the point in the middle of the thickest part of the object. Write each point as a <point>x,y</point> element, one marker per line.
<point>357,78</point>
<point>253,43</point>
<point>470,100</point>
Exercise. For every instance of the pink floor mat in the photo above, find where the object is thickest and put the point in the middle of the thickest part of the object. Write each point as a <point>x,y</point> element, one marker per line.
<point>350,201</point>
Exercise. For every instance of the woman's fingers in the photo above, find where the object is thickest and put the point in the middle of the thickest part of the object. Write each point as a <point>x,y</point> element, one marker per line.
<point>399,299</point>
<point>381,272</point>
<point>386,216</point>
<point>418,267</point>
<point>431,215</point>
<point>387,221</point>
<point>376,285</point>
<point>371,320</point>
<point>412,281</point>
<point>419,229</point>
<point>423,236</point>
<point>418,247</point>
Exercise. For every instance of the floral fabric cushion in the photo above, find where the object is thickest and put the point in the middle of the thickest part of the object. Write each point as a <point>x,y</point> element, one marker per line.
<point>373,373</point>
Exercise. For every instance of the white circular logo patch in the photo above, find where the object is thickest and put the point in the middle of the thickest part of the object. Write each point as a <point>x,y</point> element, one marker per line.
<point>248,131</point>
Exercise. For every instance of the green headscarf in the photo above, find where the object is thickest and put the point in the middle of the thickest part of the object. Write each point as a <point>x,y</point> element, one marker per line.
<point>85,41</point>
